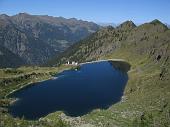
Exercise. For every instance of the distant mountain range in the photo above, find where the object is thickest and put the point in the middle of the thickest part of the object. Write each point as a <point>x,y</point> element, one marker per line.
<point>168,25</point>
<point>107,24</point>
<point>36,38</point>
<point>26,39</point>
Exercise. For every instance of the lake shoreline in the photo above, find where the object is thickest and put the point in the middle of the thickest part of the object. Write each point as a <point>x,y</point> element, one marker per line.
<point>26,85</point>
<point>95,73</point>
<point>117,63</point>
<point>32,82</point>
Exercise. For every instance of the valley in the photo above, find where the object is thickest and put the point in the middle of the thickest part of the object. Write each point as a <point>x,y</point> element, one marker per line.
<point>37,38</point>
<point>145,101</point>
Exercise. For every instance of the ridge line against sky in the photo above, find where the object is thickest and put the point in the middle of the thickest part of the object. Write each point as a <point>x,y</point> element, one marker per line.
<point>108,11</point>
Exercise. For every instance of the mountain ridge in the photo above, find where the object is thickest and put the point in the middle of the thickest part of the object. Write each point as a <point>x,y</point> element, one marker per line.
<point>145,101</point>
<point>147,49</point>
<point>111,38</point>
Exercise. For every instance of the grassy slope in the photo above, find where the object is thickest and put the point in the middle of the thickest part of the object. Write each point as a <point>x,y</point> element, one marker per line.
<point>146,100</point>
<point>147,95</point>
<point>14,79</point>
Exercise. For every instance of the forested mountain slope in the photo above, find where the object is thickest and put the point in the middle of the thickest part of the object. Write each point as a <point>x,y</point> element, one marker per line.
<point>36,38</point>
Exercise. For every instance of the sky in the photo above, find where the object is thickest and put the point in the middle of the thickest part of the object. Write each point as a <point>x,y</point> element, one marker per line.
<point>100,11</point>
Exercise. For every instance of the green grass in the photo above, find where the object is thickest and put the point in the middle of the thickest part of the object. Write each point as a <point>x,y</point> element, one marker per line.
<point>147,95</point>
<point>14,79</point>
<point>146,103</point>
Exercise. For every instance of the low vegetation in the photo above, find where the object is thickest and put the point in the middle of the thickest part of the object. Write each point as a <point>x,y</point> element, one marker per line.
<point>146,100</point>
<point>12,79</point>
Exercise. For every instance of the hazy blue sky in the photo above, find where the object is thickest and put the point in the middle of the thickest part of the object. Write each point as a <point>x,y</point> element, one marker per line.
<point>115,11</point>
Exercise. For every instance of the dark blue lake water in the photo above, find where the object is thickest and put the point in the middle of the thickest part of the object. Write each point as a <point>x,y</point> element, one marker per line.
<point>97,85</point>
